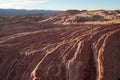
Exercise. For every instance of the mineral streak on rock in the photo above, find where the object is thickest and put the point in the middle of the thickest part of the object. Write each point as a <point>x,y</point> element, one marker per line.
<point>43,47</point>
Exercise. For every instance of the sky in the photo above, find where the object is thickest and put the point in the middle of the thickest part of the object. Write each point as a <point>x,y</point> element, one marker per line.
<point>60,4</point>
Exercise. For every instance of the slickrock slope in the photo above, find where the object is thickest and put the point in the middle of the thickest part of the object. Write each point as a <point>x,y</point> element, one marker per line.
<point>37,47</point>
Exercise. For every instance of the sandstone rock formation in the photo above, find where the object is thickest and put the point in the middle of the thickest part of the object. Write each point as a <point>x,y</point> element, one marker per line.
<point>41,47</point>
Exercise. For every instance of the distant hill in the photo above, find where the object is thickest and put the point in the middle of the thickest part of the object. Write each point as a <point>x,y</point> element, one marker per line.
<point>4,12</point>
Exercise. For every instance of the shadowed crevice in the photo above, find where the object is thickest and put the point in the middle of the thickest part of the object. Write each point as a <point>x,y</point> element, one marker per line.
<point>90,69</point>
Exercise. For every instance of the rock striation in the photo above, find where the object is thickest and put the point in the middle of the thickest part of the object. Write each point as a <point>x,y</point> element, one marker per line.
<point>34,47</point>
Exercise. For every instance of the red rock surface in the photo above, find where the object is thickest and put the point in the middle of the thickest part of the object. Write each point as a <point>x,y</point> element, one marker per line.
<point>38,47</point>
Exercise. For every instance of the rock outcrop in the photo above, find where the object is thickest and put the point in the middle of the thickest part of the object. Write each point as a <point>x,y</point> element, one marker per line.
<point>33,49</point>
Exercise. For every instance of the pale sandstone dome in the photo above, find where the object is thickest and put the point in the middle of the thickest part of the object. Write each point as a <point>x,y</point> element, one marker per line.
<point>71,45</point>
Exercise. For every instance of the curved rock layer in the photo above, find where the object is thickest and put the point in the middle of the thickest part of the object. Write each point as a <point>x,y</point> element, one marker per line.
<point>60,52</point>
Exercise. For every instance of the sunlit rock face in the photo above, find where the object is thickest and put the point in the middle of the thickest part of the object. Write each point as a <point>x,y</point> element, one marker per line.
<point>45,47</point>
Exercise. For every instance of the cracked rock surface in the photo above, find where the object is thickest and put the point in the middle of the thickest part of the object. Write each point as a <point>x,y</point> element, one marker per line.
<point>39,47</point>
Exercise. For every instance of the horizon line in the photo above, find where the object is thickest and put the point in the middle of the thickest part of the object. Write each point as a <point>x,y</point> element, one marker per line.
<point>57,9</point>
